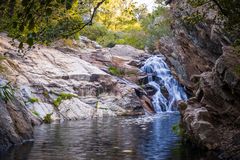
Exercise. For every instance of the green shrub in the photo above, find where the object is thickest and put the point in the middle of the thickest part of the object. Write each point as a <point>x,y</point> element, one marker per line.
<point>46,94</point>
<point>48,118</point>
<point>68,42</point>
<point>6,92</point>
<point>61,97</point>
<point>134,38</point>
<point>156,25</point>
<point>36,113</point>
<point>108,40</point>
<point>33,100</point>
<point>44,21</point>
<point>95,31</point>
<point>116,71</point>
<point>194,19</point>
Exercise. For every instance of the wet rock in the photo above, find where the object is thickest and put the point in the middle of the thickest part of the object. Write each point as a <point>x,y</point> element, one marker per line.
<point>150,89</point>
<point>146,101</point>
<point>143,79</point>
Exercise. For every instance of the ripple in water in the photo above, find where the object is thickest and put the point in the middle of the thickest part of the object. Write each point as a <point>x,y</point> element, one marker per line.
<point>140,138</point>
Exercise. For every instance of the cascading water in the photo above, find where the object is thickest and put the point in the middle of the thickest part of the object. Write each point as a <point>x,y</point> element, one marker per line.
<point>169,91</point>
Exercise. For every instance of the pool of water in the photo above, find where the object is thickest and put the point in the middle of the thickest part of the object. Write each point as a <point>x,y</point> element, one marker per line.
<point>139,138</point>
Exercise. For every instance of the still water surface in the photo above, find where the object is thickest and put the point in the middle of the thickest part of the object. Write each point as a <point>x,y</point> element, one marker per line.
<point>140,138</point>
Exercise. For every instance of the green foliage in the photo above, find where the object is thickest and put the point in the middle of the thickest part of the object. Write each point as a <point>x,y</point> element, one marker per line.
<point>197,3</point>
<point>95,31</point>
<point>156,25</point>
<point>121,23</point>
<point>57,102</point>
<point>6,92</point>
<point>177,129</point>
<point>120,15</point>
<point>43,21</point>
<point>48,118</point>
<point>194,19</point>
<point>108,38</point>
<point>36,113</point>
<point>46,94</point>
<point>33,100</point>
<point>61,97</point>
<point>118,22</point>
<point>134,38</point>
<point>116,71</point>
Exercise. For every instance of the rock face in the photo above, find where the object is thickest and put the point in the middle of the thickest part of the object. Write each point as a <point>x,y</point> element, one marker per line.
<point>194,48</point>
<point>203,61</point>
<point>68,83</point>
<point>217,105</point>
<point>16,124</point>
<point>49,76</point>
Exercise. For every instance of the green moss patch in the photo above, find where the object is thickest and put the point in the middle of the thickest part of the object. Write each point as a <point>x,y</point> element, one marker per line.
<point>36,113</point>
<point>61,97</point>
<point>116,71</point>
<point>33,100</point>
<point>178,130</point>
<point>47,118</point>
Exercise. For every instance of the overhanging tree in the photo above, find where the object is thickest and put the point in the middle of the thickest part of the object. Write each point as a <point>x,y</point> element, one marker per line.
<point>46,20</point>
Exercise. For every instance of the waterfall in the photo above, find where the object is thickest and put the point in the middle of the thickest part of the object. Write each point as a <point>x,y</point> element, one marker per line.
<point>168,89</point>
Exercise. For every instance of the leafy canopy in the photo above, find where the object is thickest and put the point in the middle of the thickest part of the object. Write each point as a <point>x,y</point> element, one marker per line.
<point>45,20</point>
<point>118,22</point>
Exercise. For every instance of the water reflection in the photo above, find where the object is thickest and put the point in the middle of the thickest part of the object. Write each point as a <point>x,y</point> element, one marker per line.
<point>143,138</point>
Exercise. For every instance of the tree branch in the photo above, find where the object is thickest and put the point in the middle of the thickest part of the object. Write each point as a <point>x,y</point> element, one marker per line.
<point>91,19</point>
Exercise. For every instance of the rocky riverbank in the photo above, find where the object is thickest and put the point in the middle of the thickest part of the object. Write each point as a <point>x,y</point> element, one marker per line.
<point>68,82</point>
